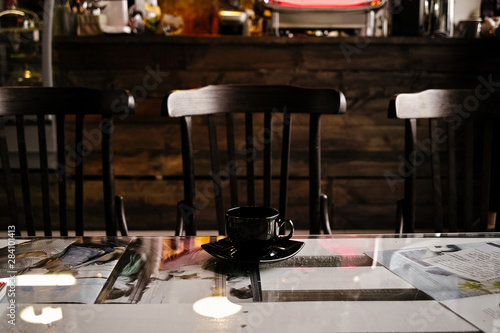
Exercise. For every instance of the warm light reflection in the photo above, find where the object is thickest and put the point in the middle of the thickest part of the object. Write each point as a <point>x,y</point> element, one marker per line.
<point>48,315</point>
<point>200,240</point>
<point>229,13</point>
<point>215,307</point>
<point>45,280</point>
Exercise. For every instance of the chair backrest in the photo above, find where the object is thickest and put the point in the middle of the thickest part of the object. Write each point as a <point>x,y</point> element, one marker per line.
<point>459,134</point>
<point>273,102</point>
<point>44,107</point>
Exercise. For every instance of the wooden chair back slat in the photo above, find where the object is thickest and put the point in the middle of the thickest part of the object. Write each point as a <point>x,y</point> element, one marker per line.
<point>108,175</point>
<point>267,158</point>
<point>23,165</point>
<point>187,207</point>
<point>452,180</point>
<point>411,176</point>
<point>61,175</point>
<point>315,172</point>
<point>468,163</point>
<point>495,176</point>
<point>8,180</point>
<point>250,157</point>
<point>44,174</point>
<point>79,175</point>
<point>436,177</point>
<point>485,173</point>
<point>221,99</point>
<point>231,155</point>
<point>285,162</point>
<point>216,174</point>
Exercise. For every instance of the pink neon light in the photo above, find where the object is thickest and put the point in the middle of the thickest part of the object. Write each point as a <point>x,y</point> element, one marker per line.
<point>324,3</point>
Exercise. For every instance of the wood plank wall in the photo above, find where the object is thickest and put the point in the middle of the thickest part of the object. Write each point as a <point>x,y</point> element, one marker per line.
<point>359,148</point>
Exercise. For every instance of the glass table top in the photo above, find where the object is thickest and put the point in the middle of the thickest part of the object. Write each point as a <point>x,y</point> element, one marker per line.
<point>397,283</point>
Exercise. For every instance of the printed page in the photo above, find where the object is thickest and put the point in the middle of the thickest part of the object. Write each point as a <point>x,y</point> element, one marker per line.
<point>478,264</point>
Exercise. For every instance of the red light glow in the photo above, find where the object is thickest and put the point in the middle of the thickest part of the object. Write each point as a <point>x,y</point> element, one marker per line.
<point>325,3</point>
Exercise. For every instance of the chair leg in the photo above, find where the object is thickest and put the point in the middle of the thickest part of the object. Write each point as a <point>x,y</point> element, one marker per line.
<point>399,217</point>
<point>325,219</point>
<point>179,223</point>
<point>120,215</point>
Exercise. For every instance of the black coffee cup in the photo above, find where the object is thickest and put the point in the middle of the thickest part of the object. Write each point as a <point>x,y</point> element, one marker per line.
<point>255,227</point>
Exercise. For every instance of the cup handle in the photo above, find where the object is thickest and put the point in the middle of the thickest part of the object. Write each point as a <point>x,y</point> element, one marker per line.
<point>290,234</point>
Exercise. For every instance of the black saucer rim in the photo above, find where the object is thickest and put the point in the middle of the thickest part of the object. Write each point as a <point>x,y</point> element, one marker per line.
<point>224,255</point>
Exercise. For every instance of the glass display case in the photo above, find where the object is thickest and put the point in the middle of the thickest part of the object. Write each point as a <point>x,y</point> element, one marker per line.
<point>21,65</point>
<point>20,48</point>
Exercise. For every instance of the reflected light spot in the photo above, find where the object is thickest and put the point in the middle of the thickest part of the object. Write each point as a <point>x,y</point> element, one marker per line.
<point>45,280</point>
<point>48,315</point>
<point>356,279</point>
<point>229,13</point>
<point>215,307</point>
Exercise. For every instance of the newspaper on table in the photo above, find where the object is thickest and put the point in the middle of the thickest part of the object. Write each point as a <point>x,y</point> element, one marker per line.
<point>464,277</point>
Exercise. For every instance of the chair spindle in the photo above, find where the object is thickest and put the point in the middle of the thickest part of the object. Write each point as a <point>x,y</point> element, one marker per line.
<point>436,175</point>
<point>108,176</point>
<point>267,158</point>
<point>79,175</point>
<point>23,165</point>
<point>411,177</point>
<point>468,174</point>
<point>216,177</point>
<point>61,175</point>
<point>285,161</point>
<point>250,157</point>
<point>315,172</point>
<point>231,155</point>
<point>486,173</point>
<point>44,175</point>
<point>452,180</point>
<point>9,184</point>
<point>187,207</point>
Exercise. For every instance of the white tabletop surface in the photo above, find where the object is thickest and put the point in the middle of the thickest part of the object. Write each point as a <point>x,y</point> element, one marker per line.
<point>167,303</point>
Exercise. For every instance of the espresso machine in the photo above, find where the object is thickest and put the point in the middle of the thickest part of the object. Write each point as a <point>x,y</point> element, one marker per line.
<point>422,18</point>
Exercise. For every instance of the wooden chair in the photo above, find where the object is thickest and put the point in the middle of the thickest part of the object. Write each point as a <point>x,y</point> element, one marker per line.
<point>17,104</point>
<point>460,129</point>
<point>226,101</point>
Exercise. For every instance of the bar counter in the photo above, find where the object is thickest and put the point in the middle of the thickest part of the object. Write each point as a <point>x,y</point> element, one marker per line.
<point>359,148</point>
<point>313,53</point>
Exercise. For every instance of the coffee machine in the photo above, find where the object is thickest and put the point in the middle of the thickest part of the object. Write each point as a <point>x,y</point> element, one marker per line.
<point>422,17</point>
